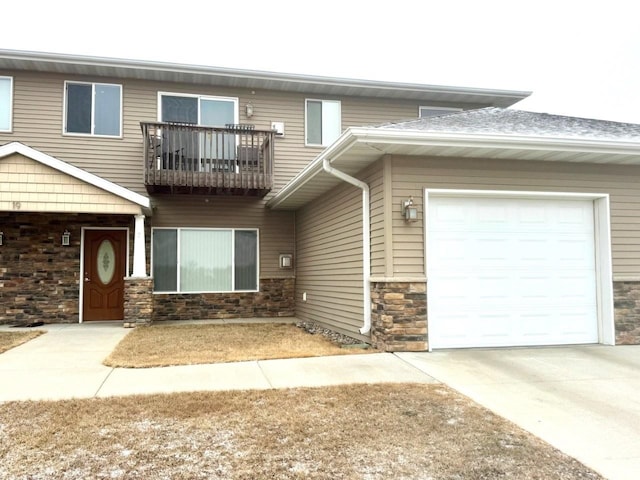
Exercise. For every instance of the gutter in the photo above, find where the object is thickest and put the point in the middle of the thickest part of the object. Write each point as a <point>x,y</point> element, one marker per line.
<point>366,240</point>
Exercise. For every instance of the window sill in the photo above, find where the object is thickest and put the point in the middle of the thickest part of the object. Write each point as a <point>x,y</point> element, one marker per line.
<point>89,135</point>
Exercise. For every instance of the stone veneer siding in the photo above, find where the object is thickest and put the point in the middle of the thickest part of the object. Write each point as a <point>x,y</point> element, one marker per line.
<point>275,299</point>
<point>39,278</point>
<point>626,301</point>
<point>399,316</point>
<point>138,300</point>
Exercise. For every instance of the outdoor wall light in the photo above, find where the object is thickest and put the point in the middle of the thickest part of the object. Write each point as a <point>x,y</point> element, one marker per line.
<point>1,238</point>
<point>66,237</point>
<point>409,210</point>
<point>249,110</point>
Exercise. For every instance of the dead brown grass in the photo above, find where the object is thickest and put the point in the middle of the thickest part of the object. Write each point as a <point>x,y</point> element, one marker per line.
<point>162,345</point>
<point>10,340</point>
<point>401,431</point>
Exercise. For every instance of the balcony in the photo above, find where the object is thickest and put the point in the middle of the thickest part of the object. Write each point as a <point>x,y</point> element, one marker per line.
<point>184,158</point>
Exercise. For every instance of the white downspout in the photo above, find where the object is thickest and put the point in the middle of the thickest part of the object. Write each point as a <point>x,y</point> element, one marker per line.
<point>366,240</point>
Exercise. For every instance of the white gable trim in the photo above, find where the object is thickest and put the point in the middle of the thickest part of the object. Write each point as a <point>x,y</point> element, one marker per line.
<point>83,175</point>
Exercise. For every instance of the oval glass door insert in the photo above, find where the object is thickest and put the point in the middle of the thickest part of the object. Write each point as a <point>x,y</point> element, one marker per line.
<point>106,261</point>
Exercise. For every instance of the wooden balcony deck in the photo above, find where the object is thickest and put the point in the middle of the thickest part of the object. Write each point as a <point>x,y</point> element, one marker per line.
<point>182,158</point>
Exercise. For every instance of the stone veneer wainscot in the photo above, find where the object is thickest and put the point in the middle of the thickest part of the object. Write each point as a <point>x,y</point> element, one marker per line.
<point>40,278</point>
<point>275,299</point>
<point>399,315</point>
<point>626,301</point>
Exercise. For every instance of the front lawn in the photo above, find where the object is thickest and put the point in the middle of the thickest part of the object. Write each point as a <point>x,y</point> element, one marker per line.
<point>10,340</point>
<point>397,431</point>
<point>164,345</point>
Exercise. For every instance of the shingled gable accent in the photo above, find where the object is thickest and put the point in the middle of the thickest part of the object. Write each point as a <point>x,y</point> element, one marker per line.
<point>75,172</point>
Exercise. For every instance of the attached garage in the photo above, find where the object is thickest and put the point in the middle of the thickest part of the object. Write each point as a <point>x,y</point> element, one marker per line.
<point>516,269</point>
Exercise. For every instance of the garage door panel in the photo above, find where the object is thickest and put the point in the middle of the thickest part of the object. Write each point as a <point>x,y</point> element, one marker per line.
<point>535,250</point>
<point>507,271</point>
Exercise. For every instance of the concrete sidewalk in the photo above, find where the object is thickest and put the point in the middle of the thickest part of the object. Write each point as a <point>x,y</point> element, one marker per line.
<point>66,362</point>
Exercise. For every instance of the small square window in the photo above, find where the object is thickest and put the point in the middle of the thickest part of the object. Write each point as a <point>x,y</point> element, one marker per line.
<point>323,122</point>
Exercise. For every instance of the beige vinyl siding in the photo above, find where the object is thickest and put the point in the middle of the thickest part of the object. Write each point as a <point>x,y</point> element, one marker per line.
<point>329,260</point>
<point>38,117</point>
<point>411,175</point>
<point>276,228</point>
<point>38,123</point>
<point>378,199</point>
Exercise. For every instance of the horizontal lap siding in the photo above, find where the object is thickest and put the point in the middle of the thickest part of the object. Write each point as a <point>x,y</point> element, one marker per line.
<point>329,260</point>
<point>376,188</point>
<point>37,122</point>
<point>412,175</point>
<point>276,228</point>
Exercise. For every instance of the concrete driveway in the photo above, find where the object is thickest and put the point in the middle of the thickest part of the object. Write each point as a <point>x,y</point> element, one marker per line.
<point>584,400</point>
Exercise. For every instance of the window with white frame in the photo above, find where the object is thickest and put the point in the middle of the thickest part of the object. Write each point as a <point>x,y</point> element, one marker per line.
<point>93,109</point>
<point>202,260</point>
<point>323,122</point>
<point>426,112</point>
<point>202,110</point>
<point>6,103</point>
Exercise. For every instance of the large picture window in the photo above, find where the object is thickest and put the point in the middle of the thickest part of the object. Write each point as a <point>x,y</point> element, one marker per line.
<point>93,109</point>
<point>323,123</point>
<point>6,100</point>
<point>198,260</point>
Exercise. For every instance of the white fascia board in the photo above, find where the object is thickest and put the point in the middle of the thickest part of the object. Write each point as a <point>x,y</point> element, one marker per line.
<point>476,140</point>
<point>257,75</point>
<point>83,175</point>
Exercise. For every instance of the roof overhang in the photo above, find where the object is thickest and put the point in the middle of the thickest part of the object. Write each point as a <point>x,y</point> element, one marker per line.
<point>252,79</point>
<point>358,148</point>
<point>77,173</point>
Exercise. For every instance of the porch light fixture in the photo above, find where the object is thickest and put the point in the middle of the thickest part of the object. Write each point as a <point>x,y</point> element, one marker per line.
<point>66,236</point>
<point>409,210</point>
<point>1,238</point>
<point>249,110</point>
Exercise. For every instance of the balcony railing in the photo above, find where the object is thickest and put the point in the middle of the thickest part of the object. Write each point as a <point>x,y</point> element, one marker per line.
<point>183,158</point>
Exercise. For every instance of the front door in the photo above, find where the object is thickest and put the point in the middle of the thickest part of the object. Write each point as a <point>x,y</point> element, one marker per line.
<point>105,256</point>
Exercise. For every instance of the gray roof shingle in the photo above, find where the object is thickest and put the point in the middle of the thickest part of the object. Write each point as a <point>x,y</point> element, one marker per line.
<point>502,121</point>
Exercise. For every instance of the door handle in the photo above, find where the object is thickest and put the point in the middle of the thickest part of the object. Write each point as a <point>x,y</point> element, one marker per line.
<point>86,279</point>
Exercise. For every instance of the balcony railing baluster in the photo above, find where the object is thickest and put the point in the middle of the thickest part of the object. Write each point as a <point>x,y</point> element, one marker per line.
<point>184,158</point>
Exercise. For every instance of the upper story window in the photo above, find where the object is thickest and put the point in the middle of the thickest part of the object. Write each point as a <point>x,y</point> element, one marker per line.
<point>93,109</point>
<point>323,122</point>
<point>197,109</point>
<point>6,103</point>
<point>426,112</point>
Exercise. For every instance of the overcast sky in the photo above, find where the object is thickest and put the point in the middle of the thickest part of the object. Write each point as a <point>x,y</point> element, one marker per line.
<point>579,58</point>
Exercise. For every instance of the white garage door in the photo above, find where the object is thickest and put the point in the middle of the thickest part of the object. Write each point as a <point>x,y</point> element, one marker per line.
<point>510,271</point>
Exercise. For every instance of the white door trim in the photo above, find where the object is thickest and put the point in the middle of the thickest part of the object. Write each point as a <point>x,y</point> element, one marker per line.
<point>604,266</point>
